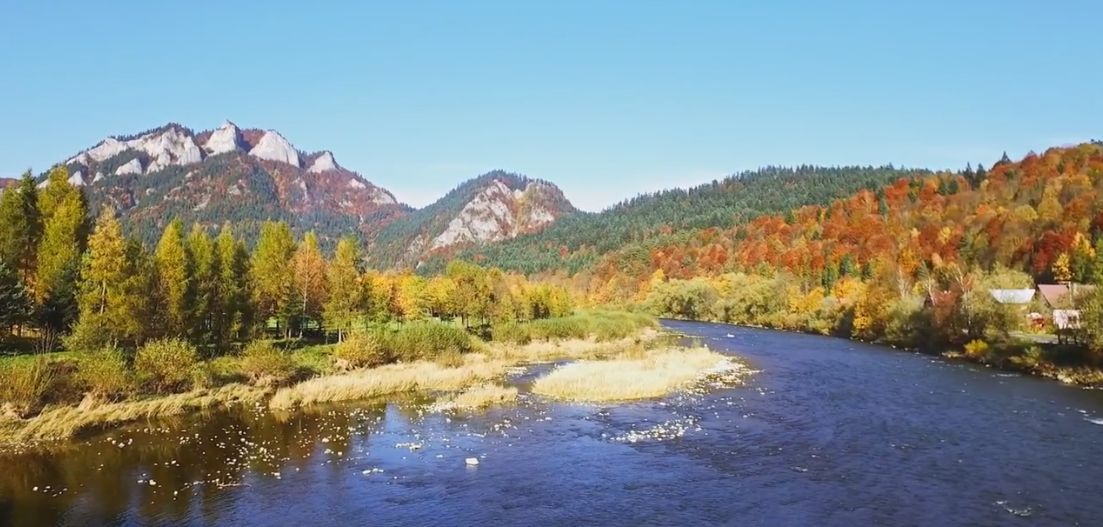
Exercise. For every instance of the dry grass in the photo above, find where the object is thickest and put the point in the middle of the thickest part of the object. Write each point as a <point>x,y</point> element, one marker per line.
<point>573,349</point>
<point>446,376</point>
<point>470,374</point>
<point>476,398</point>
<point>390,379</point>
<point>69,421</point>
<point>638,375</point>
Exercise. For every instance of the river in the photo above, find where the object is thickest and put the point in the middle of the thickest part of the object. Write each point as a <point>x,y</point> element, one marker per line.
<point>827,432</point>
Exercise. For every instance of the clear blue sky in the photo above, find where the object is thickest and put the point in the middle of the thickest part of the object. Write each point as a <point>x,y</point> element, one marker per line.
<point>607,99</point>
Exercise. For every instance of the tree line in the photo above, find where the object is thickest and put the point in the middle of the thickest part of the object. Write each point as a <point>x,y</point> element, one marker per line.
<point>83,283</point>
<point>910,262</point>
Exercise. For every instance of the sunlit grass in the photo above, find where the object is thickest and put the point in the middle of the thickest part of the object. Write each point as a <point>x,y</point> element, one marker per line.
<point>477,398</point>
<point>637,375</point>
<point>69,421</point>
<point>390,379</point>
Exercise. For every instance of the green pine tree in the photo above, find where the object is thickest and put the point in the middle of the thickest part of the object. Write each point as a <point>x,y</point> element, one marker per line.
<point>20,228</point>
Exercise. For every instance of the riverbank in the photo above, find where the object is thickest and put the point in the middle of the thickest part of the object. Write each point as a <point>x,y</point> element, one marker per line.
<point>459,382</point>
<point>1028,358</point>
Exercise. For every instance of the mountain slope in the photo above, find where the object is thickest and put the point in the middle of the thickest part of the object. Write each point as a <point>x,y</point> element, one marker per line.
<point>1042,215</point>
<point>228,174</point>
<point>490,208</point>
<point>579,240</point>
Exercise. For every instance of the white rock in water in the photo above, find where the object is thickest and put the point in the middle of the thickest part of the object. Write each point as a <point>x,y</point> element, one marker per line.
<point>226,139</point>
<point>134,166</point>
<point>273,147</point>
<point>325,162</point>
<point>472,461</point>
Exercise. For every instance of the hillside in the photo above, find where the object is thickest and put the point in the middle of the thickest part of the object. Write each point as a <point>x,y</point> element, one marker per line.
<point>491,208</point>
<point>579,240</point>
<point>1040,215</point>
<point>243,176</point>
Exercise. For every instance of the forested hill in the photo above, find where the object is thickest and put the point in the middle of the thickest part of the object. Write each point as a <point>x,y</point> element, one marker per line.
<point>578,240</point>
<point>1041,216</point>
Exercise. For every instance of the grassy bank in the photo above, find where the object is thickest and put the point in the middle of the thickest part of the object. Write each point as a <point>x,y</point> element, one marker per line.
<point>639,374</point>
<point>63,395</point>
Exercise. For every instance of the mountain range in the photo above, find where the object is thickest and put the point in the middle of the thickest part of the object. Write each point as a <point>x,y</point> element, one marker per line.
<point>245,176</point>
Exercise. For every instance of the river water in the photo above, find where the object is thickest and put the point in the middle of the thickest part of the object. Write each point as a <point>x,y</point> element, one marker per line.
<point>828,432</point>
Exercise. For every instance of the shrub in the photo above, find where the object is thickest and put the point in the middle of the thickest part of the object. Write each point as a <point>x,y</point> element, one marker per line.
<point>425,340</point>
<point>360,350</point>
<point>512,332</point>
<point>24,385</point>
<point>976,350</point>
<point>166,365</point>
<point>104,373</point>
<point>558,328</point>
<point>266,365</point>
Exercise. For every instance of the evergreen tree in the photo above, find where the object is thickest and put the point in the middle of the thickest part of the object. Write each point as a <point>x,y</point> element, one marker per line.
<point>174,276</point>
<point>20,228</point>
<point>271,275</point>
<point>343,284</point>
<point>15,305</point>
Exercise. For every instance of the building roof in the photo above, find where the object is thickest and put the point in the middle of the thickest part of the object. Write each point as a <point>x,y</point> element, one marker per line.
<point>1057,295</point>
<point>1012,296</point>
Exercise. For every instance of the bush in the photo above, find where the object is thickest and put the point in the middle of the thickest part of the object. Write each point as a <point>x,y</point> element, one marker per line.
<point>24,385</point>
<point>601,325</point>
<point>266,365</point>
<point>558,328</point>
<point>360,350</point>
<point>976,350</point>
<point>425,340</point>
<point>512,332</point>
<point>166,365</point>
<point>104,373</point>
<point>86,337</point>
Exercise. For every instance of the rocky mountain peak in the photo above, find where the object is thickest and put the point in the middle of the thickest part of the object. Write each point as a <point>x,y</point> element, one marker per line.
<point>227,138</point>
<point>500,211</point>
<point>273,147</point>
<point>323,163</point>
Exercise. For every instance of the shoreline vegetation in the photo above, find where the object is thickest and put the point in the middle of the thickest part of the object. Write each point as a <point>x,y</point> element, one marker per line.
<point>466,375</point>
